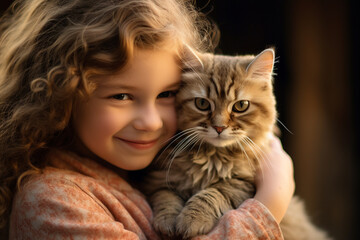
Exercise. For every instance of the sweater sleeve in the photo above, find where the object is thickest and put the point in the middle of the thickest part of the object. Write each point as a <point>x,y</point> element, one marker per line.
<point>252,220</point>
<point>61,209</point>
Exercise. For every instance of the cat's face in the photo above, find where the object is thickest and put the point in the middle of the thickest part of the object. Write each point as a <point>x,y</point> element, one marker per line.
<point>227,100</point>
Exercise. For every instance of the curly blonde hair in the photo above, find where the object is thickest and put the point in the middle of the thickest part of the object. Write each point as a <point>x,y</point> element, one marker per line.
<point>51,48</point>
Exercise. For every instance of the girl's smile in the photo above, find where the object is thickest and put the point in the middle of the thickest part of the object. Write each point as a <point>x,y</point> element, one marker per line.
<point>131,114</point>
<point>138,144</point>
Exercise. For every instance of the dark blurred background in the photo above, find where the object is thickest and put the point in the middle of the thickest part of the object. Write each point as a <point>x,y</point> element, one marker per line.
<point>317,89</point>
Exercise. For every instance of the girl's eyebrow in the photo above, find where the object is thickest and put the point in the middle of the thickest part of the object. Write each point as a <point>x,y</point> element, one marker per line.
<point>117,86</point>
<point>174,85</point>
<point>123,86</point>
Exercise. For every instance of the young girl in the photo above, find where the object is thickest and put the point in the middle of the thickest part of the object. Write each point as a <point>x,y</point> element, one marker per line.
<point>87,93</point>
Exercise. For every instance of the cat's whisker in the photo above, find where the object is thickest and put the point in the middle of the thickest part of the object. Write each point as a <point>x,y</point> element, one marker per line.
<point>168,171</point>
<point>201,141</point>
<point>179,135</point>
<point>180,147</point>
<point>248,143</point>
<point>262,153</point>
<point>254,148</point>
<point>247,157</point>
<point>167,178</point>
<point>174,139</point>
<point>173,153</point>
<point>254,151</point>
<point>264,157</point>
<point>257,151</point>
<point>189,141</point>
<point>282,124</point>
<point>252,163</point>
<point>197,139</point>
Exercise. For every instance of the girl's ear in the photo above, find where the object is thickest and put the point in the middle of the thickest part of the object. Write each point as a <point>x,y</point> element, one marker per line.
<point>191,59</point>
<point>261,67</point>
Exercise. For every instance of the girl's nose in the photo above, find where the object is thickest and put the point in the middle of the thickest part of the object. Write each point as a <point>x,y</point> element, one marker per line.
<point>148,119</point>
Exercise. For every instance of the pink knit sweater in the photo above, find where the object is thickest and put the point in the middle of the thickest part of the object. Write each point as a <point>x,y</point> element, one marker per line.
<point>76,198</point>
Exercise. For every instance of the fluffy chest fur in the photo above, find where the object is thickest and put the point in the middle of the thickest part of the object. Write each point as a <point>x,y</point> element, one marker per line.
<point>203,166</point>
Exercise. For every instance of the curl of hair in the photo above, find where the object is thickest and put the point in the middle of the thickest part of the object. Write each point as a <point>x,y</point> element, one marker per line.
<point>50,50</point>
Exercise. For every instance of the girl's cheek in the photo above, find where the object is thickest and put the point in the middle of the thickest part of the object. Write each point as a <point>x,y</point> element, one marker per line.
<point>111,123</point>
<point>171,120</point>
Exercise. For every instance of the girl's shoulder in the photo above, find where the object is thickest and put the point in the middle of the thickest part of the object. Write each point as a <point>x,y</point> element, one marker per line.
<point>59,190</point>
<point>73,193</point>
<point>71,177</point>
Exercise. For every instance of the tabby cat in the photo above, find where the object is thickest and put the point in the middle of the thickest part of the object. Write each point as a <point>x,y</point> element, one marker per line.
<point>226,111</point>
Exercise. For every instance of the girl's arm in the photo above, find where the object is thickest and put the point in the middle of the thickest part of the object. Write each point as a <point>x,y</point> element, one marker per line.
<point>275,180</point>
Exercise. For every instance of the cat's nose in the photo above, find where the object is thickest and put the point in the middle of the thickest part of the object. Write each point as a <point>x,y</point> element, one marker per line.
<point>219,129</point>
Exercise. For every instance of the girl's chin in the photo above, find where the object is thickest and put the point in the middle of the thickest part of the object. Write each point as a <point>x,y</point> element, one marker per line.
<point>130,161</point>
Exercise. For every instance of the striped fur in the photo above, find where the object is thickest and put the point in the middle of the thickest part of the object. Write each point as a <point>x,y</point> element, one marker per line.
<point>209,166</point>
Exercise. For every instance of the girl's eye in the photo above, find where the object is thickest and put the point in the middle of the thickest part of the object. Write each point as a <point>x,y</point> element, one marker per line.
<point>167,94</point>
<point>121,96</point>
<point>202,104</point>
<point>241,106</point>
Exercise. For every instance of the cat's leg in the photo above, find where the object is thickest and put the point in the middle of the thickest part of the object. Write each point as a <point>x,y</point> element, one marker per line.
<point>202,211</point>
<point>166,207</point>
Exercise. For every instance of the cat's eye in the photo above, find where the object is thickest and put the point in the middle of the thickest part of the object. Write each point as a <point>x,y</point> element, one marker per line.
<point>202,104</point>
<point>241,106</point>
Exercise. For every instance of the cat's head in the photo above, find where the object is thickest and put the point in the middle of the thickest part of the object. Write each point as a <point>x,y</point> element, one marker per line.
<point>227,100</point>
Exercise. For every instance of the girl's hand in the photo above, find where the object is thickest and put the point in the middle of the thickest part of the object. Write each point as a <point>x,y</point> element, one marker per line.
<point>275,180</point>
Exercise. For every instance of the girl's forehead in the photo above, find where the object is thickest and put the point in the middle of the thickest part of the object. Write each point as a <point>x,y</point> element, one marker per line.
<point>160,66</point>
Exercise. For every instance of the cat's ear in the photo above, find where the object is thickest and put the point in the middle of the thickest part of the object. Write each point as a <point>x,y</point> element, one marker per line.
<point>191,59</point>
<point>261,67</point>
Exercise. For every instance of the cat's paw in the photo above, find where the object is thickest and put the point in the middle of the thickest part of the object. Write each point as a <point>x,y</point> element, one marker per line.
<point>165,224</point>
<point>191,223</point>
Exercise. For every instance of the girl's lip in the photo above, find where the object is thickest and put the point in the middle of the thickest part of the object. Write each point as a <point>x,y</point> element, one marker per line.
<point>139,144</point>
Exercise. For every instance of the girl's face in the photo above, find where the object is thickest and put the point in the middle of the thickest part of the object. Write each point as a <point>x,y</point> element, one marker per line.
<point>131,114</point>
